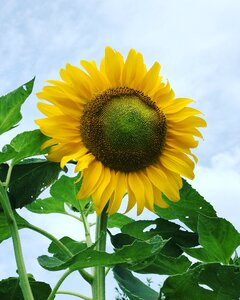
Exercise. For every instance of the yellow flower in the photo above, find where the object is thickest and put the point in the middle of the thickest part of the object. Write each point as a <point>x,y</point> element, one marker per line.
<point>124,128</point>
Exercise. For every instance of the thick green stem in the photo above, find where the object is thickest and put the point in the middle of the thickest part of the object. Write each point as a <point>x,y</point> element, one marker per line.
<point>25,286</point>
<point>98,286</point>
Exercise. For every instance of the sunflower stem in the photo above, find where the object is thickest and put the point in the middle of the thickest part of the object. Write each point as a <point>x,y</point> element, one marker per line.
<point>98,286</point>
<point>23,277</point>
<point>86,227</point>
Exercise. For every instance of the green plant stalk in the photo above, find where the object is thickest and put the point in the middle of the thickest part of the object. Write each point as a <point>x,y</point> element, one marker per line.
<point>86,227</point>
<point>24,283</point>
<point>73,294</point>
<point>60,281</point>
<point>98,286</point>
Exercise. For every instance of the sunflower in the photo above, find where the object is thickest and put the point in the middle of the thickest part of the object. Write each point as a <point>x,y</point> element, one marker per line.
<point>124,128</point>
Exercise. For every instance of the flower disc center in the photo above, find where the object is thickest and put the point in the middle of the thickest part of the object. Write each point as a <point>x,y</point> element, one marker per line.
<point>124,129</point>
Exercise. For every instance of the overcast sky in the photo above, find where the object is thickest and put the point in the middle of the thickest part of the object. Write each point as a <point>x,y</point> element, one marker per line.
<point>196,42</point>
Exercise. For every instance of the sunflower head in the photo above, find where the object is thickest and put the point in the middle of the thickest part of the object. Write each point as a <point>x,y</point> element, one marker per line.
<point>124,128</point>
<point>123,123</point>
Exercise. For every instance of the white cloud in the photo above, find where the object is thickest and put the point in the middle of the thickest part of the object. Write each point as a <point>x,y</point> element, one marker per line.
<point>220,184</point>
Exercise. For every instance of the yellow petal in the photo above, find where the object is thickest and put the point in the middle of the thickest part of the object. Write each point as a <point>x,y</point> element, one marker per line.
<point>100,81</point>
<point>49,143</point>
<point>191,122</point>
<point>80,80</point>
<point>160,180</point>
<point>177,105</point>
<point>137,189</point>
<point>49,110</point>
<point>106,193</point>
<point>57,152</point>
<point>182,114</point>
<point>150,79</point>
<point>92,177</point>
<point>119,192</point>
<point>148,190</point>
<point>181,142</point>
<point>113,66</point>
<point>158,198</point>
<point>139,71</point>
<point>163,100</point>
<point>83,162</point>
<point>129,69</point>
<point>131,199</point>
<point>178,163</point>
<point>80,150</point>
<point>182,130</point>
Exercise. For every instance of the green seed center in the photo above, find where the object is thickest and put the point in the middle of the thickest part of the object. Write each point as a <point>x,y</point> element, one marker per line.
<point>124,129</point>
<point>129,123</point>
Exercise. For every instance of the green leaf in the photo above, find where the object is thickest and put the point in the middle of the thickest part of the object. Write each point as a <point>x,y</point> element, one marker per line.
<point>10,106</point>
<point>191,204</point>
<point>200,254</point>
<point>29,179</point>
<point>46,206</point>
<point>159,264</point>
<point>74,246</point>
<point>121,239</point>
<point>24,145</point>
<point>118,220</point>
<point>10,289</point>
<point>218,237</point>
<point>4,227</point>
<point>89,258</point>
<point>167,230</point>
<point>7,153</point>
<point>69,192</point>
<point>164,265</point>
<point>206,281</point>
<point>134,288</point>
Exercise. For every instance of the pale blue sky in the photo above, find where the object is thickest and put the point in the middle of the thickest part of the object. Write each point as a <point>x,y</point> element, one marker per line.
<point>196,42</point>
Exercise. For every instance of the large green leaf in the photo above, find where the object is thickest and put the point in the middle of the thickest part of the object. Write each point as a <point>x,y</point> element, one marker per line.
<point>159,264</point>
<point>167,230</point>
<point>4,227</point>
<point>134,288</point>
<point>46,206</point>
<point>201,254</point>
<point>118,220</point>
<point>10,106</point>
<point>69,192</point>
<point>74,247</point>
<point>10,289</point>
<point>164,265</point>
<point>25,144</point>
<point>191,204</point>
<point>29,179</point>
<point>206,281</point>
<point>89,257</point>
<point>218,237</point>
<point>219,240</point>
